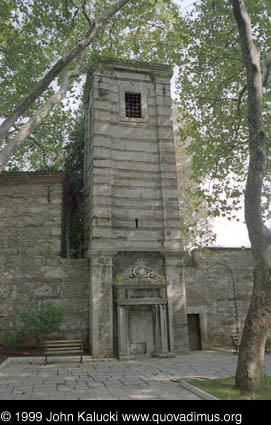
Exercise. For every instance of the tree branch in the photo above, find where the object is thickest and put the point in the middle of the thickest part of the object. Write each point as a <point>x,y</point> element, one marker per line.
<point>85,13</point>
<point>41,148</point>
<point>242,92</point>
<point>66,59</point>
<point>28,128</point>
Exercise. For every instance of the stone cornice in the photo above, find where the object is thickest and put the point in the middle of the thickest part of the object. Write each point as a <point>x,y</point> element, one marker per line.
<point>35,177</point>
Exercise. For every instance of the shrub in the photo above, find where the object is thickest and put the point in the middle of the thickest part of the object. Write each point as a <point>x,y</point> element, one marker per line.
<point>38,325</point>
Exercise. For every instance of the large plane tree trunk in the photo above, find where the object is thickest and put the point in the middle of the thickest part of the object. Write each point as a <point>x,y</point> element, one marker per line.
<point>250,368</point>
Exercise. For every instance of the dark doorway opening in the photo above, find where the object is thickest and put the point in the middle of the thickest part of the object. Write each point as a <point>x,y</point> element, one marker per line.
<point>194,337</point>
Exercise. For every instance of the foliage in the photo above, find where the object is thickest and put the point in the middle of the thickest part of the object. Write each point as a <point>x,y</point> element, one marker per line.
<point>11,339</point>
<point>144,32</point>
<point>45,148</point>
<point>74,155</point>
<point>118,280</point>
<point>222,78</point>
<point>213,104</point>
<point>196,228</point>
<point>38,325</point>
<point>74,165</point>
<point>34,36</point>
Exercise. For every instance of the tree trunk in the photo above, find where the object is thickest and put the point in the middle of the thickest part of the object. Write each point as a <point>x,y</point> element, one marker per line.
<point>250,367</point>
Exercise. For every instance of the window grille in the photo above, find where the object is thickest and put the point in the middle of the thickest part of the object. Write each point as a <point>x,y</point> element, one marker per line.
<point>133,105</point>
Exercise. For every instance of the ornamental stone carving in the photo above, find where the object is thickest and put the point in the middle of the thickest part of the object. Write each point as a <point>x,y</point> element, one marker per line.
<point>141,270</point>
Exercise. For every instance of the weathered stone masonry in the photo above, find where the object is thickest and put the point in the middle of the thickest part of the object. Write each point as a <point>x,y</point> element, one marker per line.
<point>218,288</point>
<point>34,219</point>
<point>131,211</point>
<point>131,295</point>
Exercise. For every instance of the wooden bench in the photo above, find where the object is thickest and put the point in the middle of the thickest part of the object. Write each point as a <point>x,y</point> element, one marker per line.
<point>64,347</point>
<point>268,345</point>
<point>236,338</point>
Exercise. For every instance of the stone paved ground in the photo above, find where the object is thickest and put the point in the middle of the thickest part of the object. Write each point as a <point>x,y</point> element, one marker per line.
<point>112,379</point>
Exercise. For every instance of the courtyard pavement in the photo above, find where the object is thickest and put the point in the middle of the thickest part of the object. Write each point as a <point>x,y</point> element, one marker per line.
<point>67,379</point>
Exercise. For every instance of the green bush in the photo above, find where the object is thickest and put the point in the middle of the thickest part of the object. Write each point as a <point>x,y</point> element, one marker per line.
<point>38,325</point>
<point>13,340</point>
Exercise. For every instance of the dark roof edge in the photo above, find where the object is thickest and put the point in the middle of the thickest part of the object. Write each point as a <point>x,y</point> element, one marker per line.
<point>133,65</point>
<point>33,177</point>
<point>223,248</point>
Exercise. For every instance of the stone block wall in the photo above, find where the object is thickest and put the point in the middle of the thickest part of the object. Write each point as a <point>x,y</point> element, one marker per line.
<point>218,288</point>
<point>34,210</point>
<point>130,168</point>
<point>130,188</point>
<point>26,282</point>
<point>34,222</point>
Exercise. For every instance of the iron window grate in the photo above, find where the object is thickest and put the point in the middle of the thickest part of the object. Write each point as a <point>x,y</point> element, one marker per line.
<point>133,105</point>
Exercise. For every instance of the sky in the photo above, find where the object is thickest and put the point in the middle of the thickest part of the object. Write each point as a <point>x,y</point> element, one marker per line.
<point>231,234</point>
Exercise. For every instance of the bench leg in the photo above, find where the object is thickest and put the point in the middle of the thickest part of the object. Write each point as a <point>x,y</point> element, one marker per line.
<point>235,349</point>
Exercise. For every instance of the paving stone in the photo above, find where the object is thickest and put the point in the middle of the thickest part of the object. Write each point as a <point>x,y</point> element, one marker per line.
<point>150,379</point>
<point>96,384</point>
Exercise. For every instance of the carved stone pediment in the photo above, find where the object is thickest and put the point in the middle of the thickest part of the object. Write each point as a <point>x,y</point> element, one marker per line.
<point>141,273</point>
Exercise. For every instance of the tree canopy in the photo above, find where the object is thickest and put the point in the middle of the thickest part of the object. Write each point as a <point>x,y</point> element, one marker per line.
<point>212,91</point>
<point>225,104</point>
<point>41,41</point>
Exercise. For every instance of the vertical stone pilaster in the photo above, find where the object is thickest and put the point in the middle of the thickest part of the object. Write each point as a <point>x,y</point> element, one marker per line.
<point>123,332</point>
<point>164,330</point>
<point>156,324</point>
<point>101,300</point>
<point>178,333</point>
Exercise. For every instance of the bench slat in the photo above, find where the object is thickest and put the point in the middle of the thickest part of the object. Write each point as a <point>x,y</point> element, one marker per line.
<point>63,345</point>
<point>60,347</point>
<point>63,352</point>
<point>236,341</point>
<point>64,349</point>
<point>62,340</point>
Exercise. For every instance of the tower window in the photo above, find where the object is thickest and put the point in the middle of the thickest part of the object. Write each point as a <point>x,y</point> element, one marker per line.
<point>133,105</point>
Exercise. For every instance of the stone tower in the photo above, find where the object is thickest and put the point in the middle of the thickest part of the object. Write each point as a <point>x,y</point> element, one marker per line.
<point>131,218</point>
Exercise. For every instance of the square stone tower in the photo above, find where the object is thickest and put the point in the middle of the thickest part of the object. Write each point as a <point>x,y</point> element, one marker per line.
<point>131,218</point>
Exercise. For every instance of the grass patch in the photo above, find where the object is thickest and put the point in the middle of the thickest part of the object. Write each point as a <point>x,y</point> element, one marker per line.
<point>224,389</point>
